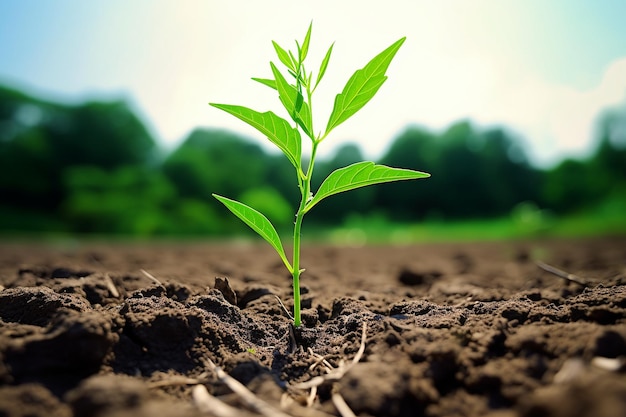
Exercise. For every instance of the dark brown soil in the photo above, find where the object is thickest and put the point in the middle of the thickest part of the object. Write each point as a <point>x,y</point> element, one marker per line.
<point>451,330</point>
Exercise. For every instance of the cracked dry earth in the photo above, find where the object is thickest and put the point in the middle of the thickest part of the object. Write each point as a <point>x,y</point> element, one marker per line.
<point>451,330</point>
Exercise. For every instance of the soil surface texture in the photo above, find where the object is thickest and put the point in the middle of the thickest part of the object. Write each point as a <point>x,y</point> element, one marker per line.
<point>516,329</point>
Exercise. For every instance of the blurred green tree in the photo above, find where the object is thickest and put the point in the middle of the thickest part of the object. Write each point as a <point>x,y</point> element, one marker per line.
<point>279,175</point>
<point>508,178</point>
<point>95,168</point>
<point>569,186</point>
<point>40,140</point>
<point>271,203</point>
<point>415,148</point>
<point>610,154</point>
<point>475,174</point>
<point>574,185</point>
<point>215,161</point>
<point>127,200</point>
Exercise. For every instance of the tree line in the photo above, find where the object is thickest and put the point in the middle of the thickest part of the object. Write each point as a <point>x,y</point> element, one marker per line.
<point>95,168</point>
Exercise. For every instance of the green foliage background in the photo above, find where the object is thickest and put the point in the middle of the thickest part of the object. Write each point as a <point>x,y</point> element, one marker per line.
<point>94,168</point>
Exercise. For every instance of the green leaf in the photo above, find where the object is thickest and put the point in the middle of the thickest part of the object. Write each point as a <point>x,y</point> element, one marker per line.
<point>293,74</point>
<point>362,86</point>
<point>257,222</point>
<point>295,63</point>
<point>277,129</point>
<point>304,50</point>
<point>283,56</point>
<point>265,81</point>
<point>291,98</point>
<point>324,65</point>
<point>360,175</point>
<point>293,101</point>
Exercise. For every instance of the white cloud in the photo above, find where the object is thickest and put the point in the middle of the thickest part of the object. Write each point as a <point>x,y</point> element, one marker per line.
<point>461,61</point>
<point>558,120</point>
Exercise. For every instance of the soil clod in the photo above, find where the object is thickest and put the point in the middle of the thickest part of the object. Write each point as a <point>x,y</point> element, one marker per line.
<point>463,330</point>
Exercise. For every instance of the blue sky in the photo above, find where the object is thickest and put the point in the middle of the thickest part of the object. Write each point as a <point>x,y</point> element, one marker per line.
<point>544,68</point>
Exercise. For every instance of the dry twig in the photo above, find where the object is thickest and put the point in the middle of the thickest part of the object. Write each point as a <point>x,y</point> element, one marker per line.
<point>285,309</point>
<point>359,353</point>
<point>208,403</point>
<point>152,277</point>
<point>562,274</point>
<point>310,399</point>
<point>111,286</point>
<point>336,373</point>
<point>292,406</point>
<point>320,360</point>
<point>609,364</point>
<point>244,393</point>
<point>205,401</point>
<point>341,405</point>
<point>176,380</point>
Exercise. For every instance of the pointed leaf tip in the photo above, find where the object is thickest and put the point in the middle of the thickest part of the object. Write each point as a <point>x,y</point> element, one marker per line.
<point>361,174</point>
<point>362,86</point>
<point>283,56</point>
<point>304,50</point>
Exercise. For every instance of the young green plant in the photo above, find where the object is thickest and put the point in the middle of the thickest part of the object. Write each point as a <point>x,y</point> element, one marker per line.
<point>295,92</point>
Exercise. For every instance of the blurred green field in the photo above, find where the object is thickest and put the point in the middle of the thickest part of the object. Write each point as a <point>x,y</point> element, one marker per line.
<point>607,220</point>
<point>526,222</point>
<point>94,171</point>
